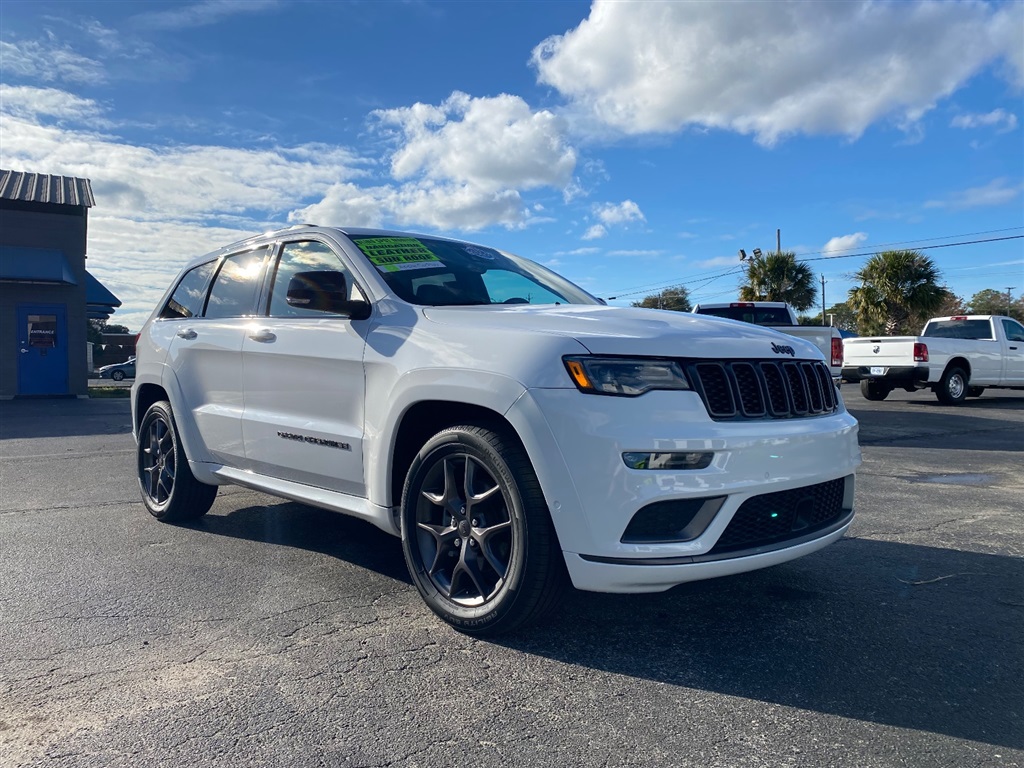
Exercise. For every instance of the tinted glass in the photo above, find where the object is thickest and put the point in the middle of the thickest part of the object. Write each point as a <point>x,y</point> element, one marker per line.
<point>959,329</point>
<point>1014,331</point>
<point>306,256</point>
<point>187,299</point>
<point>758,316</point>
<point>422,270</point>
<point>234,291</point>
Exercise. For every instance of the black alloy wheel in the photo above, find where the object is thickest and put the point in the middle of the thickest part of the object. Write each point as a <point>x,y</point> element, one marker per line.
<point>170,491</point>
<point>476,532</point>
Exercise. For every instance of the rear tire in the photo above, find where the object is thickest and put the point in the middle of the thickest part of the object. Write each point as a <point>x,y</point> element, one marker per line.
<point>952,388</point>
<point>477,536</point>
<point>170,491</point>
<point>117,375</point>
<point>873,390</point>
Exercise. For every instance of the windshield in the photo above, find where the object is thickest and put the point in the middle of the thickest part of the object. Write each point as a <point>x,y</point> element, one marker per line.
<point>435,272</point>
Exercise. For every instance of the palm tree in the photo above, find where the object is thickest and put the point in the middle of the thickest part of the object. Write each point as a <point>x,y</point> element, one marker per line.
<point>779,277</point>
<point>899,290</point>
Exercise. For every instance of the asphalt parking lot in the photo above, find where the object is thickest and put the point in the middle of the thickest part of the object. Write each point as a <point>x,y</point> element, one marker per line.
<point>274,634</point>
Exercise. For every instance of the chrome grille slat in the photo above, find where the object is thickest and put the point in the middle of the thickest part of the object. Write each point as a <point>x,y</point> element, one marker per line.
<point>763,389</point>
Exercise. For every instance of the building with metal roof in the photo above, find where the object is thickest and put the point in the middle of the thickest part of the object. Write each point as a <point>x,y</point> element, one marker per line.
<point>46,294</point>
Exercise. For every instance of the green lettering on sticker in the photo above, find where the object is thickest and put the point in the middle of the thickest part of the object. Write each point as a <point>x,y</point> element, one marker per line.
<point>393,254</point>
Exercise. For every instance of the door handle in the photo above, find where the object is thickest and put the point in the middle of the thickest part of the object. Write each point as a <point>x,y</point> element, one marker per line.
<point>263,334</point>
<point>187,333</point>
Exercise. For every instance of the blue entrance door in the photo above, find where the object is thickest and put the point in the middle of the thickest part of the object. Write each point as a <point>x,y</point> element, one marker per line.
<point>42,349</point>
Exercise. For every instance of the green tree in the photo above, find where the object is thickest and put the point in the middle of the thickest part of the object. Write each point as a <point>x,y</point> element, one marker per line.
<point>779,277</point>
<point>993,302</point>
<point>676,299</point>
<point>898,291</point>
<point>951,305</point>
<point>839,315</point>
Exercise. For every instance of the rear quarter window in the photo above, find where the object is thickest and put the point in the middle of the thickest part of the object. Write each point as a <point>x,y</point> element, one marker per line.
<point>187,299</point>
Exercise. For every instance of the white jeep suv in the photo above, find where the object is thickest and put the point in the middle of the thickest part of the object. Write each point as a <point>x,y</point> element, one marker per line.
<point>512,429</point>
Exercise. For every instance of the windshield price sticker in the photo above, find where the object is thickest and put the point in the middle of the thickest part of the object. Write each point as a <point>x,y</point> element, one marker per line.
<point>397,254</point>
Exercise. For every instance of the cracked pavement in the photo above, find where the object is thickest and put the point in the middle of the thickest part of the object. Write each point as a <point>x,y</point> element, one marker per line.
<point>275,634</point>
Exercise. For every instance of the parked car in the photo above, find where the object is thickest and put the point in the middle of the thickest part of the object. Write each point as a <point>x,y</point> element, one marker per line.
<point>956,357</point>
<point>118,371</point>
<point>780,316</point>
<point>513,430</point>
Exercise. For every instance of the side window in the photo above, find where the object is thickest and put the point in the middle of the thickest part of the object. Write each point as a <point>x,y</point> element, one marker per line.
<point>305,256</point>
<point>187,299</point>
<point>234,291</point>
<point>1014,331</point>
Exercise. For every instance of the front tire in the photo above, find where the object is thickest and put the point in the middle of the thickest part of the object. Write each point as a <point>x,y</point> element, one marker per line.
<point>873,390</point>
<point>952,387</point>
<point>170,491</point>
<point>478,540</point>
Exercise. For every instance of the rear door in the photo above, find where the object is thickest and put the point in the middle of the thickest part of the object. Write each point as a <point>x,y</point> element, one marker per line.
<point>206,354</point>
<point>304,381</point>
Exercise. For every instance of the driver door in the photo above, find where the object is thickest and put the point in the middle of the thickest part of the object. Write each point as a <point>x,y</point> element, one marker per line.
<point>304,383</point>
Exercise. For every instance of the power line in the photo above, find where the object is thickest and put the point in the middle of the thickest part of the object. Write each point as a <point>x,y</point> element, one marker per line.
<point>738,270</point>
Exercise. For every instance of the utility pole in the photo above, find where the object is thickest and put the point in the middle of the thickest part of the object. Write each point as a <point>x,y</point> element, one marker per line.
<point>1008,289</point>
<point>823,299</point>
<point>778,241</point>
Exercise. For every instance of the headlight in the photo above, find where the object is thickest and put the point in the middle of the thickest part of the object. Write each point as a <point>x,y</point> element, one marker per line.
<point>628,376</point>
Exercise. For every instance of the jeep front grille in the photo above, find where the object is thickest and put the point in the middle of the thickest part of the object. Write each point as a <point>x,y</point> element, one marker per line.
<point>763,389</point>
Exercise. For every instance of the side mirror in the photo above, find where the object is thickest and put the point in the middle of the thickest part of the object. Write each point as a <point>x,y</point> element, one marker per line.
<point>326,291</point>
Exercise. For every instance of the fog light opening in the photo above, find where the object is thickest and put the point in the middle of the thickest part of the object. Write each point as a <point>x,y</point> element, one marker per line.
<point>662,460</point>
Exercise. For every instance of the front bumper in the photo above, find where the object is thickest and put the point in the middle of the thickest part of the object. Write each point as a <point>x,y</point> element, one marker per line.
<point>593,495</point>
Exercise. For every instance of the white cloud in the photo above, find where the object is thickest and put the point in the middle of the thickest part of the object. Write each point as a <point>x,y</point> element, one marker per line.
<point>618,213</point>
<point>719,261</point>
<point>844,243</point>
<point>776,69</point>
<point>637,253</point>
<point>1000,119</point>
<point>50,62</point>
<point>595,232</point>
<point>32,103</point>
<point>158,206</point>
<point>491,143</point>
<point>996,192</point>
<point>578,252</point>
<point>202,14</point>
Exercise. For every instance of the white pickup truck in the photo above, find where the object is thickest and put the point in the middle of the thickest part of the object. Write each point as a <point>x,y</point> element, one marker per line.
<point>780,316</point>
<point>956,357</point>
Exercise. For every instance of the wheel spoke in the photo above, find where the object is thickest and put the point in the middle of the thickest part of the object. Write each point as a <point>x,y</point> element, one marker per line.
<point>444,542</point>
<point>470,568</point>
<point>484,538</point>
<point>449,497</point>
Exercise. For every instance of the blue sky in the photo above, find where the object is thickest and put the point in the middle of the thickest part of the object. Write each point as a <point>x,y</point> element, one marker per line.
<point>631,146</point>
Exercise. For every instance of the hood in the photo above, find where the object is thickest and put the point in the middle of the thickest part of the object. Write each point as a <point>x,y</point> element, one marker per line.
<point>607,330</point>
